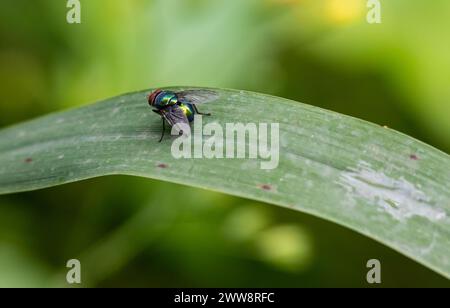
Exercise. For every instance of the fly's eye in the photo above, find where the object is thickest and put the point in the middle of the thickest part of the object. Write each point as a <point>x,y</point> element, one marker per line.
<point>150,98</point>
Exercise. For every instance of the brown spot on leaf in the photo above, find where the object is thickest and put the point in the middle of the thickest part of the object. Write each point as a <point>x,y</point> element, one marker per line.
<point>28,160</point>
<point>163,166</point>
<point>266,187</point>
<point>413,157</point>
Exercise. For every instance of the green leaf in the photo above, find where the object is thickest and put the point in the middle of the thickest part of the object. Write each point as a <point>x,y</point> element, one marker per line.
<point>371,179</point>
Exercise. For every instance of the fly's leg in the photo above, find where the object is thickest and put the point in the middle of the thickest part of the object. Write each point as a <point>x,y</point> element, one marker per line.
<point>163,123</point>
<point>163,130</point>
<point>198,112</point>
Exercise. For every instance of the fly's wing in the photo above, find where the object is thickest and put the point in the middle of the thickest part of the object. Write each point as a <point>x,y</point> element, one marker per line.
<point>197,96</point>
<point>174,115</point>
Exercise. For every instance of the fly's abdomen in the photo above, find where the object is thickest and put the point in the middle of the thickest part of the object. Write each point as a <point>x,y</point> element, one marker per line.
<point>188,110</point>
<point>164,99</point>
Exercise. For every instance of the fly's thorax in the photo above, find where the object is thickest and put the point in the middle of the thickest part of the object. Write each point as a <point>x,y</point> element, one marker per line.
<point>164,99</point>
<point>188,110</point>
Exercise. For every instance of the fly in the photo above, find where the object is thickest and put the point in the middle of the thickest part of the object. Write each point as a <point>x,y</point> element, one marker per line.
<point>179,106</point>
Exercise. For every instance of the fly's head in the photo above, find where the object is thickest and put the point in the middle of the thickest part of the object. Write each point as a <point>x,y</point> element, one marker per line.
<point>152,97</point>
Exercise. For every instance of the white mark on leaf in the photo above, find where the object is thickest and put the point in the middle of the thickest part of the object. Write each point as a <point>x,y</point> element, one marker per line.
<point>115,110</point>
<point>397,197</point>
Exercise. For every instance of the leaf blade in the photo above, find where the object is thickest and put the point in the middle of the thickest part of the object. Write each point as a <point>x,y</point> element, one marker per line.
<point>374,180</point>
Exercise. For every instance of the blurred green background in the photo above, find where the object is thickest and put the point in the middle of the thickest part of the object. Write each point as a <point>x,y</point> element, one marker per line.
<point>137,232</point>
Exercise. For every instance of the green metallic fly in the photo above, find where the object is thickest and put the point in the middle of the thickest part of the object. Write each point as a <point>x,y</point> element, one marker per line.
<point>179,107</point>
